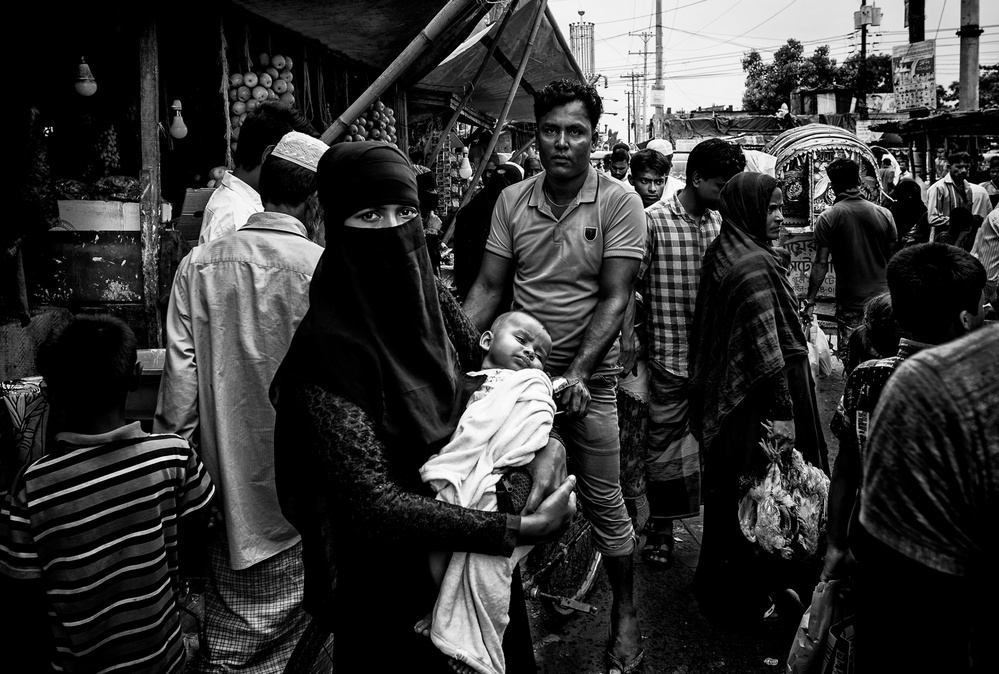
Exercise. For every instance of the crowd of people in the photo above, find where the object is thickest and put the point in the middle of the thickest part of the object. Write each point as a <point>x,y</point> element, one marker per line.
<point>333,420</point>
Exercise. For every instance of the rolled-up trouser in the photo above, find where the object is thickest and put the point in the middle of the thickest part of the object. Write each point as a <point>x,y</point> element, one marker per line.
<point>593,446</point>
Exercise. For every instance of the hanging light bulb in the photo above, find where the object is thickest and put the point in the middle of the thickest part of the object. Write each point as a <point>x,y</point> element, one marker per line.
<point>465,170</point>
<point>177,128</point>
<point>85,83</point>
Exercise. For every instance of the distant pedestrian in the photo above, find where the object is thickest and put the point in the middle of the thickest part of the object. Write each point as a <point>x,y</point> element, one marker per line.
<point>951,191</point>
<point>858,236</point>
<point>992,184</point>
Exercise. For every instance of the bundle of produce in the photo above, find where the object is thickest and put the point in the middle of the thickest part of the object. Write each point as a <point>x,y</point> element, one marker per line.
<point>376,123</point>
<point>270,81</point>
<point>119,188</point>
<point>785,512</point>
<point>74,190</point>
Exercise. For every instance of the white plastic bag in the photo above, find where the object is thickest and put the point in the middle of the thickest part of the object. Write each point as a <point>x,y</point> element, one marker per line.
<point>819,356</point>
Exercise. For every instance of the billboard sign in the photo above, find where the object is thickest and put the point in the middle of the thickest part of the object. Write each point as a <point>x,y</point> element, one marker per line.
<point>914,75</point>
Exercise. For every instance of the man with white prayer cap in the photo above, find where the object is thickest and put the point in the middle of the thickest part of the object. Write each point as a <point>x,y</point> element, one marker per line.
<point>234,307</point>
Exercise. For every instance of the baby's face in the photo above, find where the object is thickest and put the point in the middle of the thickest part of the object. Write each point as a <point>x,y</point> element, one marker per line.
<point>518,343</point>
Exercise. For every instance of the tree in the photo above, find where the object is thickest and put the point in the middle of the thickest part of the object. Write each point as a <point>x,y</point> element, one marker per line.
<point>988,86</point>
<point>879,74</point>
<point>949,97</point>
<point>768,85</point>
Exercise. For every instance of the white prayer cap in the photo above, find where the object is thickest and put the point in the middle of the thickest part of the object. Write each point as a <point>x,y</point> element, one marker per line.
<point>301,149</point>
<point>661,145</point>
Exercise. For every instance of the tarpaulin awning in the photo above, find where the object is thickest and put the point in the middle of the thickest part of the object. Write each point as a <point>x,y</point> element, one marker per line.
<point>548,62</point>
<point>371,33</point>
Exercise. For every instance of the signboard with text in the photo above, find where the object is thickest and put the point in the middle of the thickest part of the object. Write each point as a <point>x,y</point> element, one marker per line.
<point>914,75</point>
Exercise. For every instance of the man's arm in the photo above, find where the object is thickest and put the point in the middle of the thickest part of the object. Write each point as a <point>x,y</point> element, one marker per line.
<point>177,404</point>
<point>935,197</point>
<point>617,281</point>
<point>820,267</point>
<point>483,299</point>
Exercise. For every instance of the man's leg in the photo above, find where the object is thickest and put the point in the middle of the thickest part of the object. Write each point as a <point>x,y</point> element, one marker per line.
<point>847,321</point>
<point>672,462</point>
<point>594,455</point>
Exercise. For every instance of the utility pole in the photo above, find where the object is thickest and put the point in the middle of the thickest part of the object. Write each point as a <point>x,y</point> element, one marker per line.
<point>627,95</point>
<point>640,117</point>
<point>862,70</point>
<point>968,99</point>
<point>658,91</point>
<point>916,21</point>
<point>633,115</point>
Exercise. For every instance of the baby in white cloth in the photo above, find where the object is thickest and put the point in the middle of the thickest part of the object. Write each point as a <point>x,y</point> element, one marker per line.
<point>506,421</point>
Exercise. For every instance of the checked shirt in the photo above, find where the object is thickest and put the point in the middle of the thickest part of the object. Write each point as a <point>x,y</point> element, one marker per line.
<point>669,276</point>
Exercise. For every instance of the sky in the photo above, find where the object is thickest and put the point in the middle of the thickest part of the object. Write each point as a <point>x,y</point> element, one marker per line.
<point>704,41</point>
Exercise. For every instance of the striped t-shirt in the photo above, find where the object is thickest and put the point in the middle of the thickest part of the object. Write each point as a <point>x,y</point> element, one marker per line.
<point>96,520</point>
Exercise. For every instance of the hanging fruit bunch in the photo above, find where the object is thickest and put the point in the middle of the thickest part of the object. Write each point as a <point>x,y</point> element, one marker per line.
<point>375,123</point>
<point>107,150</point>
<point>270,81</point>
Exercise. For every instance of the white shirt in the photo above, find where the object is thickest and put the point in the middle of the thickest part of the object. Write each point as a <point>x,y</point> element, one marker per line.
<point>230,206</point>
<point>671,187</point>
<point>986,249</point>
<point>235,305</point>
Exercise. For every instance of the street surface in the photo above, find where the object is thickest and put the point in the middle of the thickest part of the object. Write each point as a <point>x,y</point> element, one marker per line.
<point>678,639</point>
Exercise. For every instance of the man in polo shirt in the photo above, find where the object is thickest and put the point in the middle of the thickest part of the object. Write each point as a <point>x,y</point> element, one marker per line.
<point>679,231</point>
<point>573,239</point>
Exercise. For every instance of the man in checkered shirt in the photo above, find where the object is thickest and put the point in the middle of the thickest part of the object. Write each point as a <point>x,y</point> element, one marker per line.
<point>679,231</point>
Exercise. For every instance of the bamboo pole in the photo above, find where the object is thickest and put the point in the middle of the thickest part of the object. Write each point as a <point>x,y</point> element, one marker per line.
<point>565,47</point>
<point>430,159</point>
<point>447,16</point>
<point>539,17</point>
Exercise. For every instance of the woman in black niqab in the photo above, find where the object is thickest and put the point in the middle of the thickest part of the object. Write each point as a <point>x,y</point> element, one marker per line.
<point>371,387</point>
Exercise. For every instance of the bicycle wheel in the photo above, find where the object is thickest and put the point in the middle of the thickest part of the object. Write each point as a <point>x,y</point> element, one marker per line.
<point>567,567</point>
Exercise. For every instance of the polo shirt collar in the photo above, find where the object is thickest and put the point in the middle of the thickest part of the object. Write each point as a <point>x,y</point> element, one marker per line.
<point>587,193</point>
<point>853,193</point>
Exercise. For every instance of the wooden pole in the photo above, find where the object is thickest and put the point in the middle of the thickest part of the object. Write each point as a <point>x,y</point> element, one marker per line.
<point>149,176</point>
<point>447,16</point>
<point>430,159</point>
<point>565,47</point>
<point>539,17</point>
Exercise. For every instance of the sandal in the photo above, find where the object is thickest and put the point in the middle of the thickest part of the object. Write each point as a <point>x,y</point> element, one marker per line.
<point>660,555</point>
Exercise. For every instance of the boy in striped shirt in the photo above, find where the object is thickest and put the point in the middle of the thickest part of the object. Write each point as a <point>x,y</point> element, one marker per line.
<point>96,522</point>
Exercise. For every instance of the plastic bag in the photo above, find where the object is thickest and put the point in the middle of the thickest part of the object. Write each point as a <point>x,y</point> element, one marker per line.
<point>819,356</point>
<point>828,607</point>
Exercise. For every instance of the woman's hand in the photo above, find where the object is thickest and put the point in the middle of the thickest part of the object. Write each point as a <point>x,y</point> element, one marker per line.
<point>838,564</point>
<point>552,516</point>
<point>783,432</point>
<point>548,471</point>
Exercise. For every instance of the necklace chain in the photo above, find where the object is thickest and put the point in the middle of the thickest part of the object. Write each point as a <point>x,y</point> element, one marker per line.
<point>552,201</point>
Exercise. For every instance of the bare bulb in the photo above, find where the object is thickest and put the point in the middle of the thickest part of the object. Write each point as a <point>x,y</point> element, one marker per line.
<point>465,170</point>
<point>85,84</point>
<point>177,128</point>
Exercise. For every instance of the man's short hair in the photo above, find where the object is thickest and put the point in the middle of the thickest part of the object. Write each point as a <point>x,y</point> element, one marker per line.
<point>715,157</point>
<point>266,126</point>
<point>619,155</point>
<point>650,160</point>
<point>844,174</point>
<point>284,182</point>
<point>621,146</point>
<point>563,92</point>
<point>91,358</point>
<point>931,284</point>
<point>994,161</point>
<point>886,160</point>
<point>958,158</point>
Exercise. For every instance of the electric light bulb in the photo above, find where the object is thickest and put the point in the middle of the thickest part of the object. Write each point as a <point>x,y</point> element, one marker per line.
<point>177,128</point>
<point>465,170</point>
<point>85,84</point>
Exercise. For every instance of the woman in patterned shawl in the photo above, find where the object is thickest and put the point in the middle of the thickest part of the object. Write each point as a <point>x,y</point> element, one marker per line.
<point>749,365</point>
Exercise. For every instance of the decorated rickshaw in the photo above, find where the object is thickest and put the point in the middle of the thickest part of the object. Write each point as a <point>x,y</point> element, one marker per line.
<point>802,156</point>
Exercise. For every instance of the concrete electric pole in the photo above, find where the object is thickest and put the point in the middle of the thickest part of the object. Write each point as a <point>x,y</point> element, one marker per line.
<point>968,92</point>
<point>643,110</point>
<point>658,91</point>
